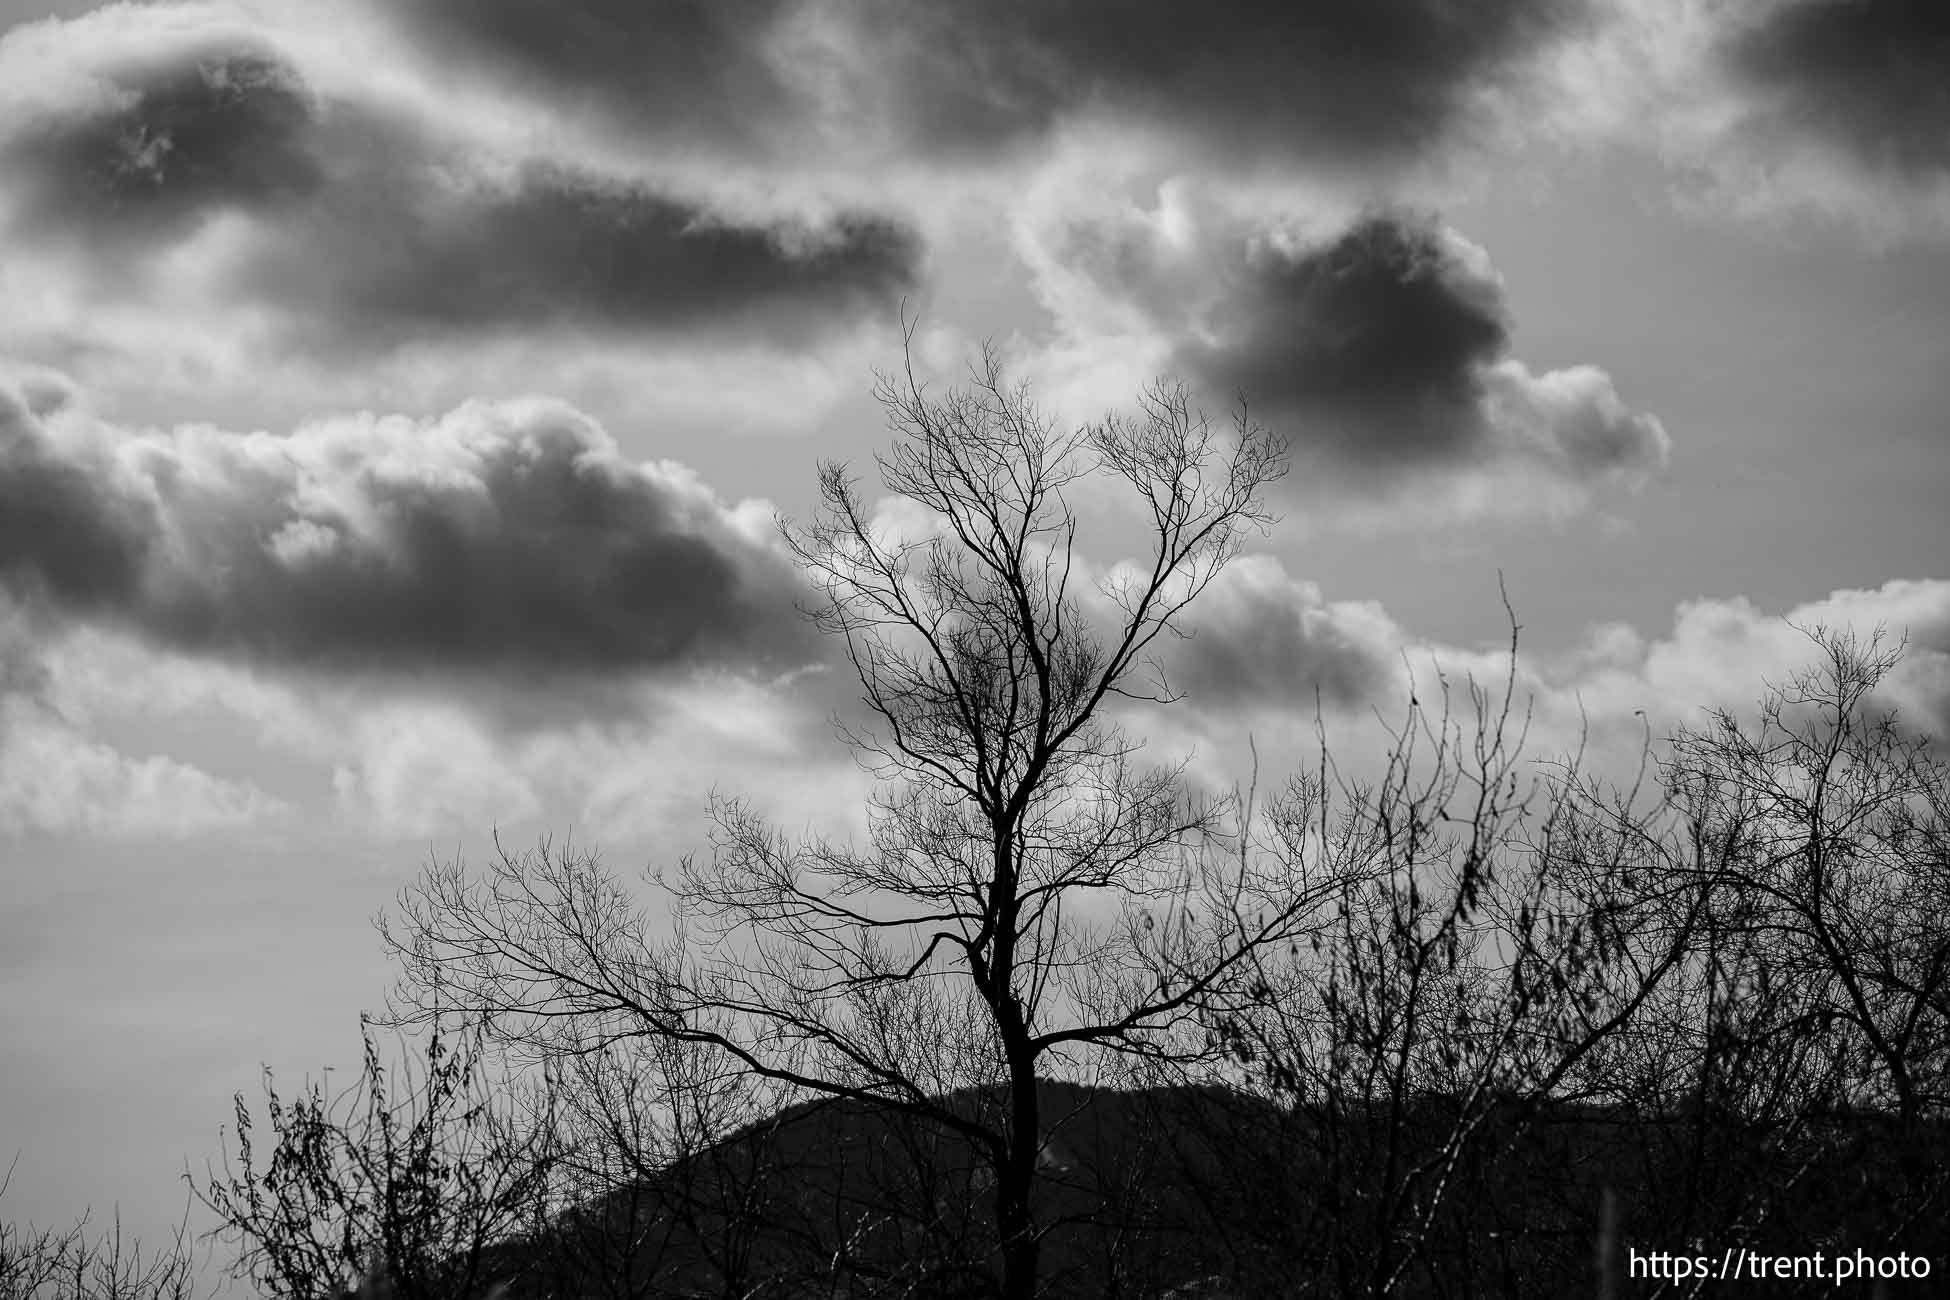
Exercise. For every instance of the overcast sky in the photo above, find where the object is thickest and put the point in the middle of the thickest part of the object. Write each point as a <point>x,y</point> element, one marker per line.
<point>396,398</point>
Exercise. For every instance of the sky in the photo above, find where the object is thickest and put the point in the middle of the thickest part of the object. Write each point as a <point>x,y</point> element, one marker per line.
<point>398,397</point>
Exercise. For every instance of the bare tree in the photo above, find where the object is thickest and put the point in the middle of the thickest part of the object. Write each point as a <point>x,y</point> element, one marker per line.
<point>414,1196</point>
<point>1831,826</point>
<point>1497,925</point>
<point>670,1166</point>
<point>70,1264</point>
<point>1029,892</point>
<point>1713,1000</point>
<point>1792,1083</point>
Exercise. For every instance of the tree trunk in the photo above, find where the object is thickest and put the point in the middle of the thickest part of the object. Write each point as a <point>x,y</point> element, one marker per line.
<point>1014,1223</point>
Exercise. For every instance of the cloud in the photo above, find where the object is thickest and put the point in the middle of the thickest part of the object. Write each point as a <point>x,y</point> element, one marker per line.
<point>159,145</point>
<point>1864,75</point>
<point>1260,638</point>
<point>1831,107</point>
<point>203,167</point>
<point>55,780</point>
<point>342,759</point>
<point>1572,421</point>
<point>1723,653</point>
<point>1828,108</point>
<point>547,248</point>
<point>62,536</point>
<point>1380,336</point>
<point>1385,348</point>
<point>1265,642</point>
<point>698,68</point>
<point>431,769</point>
<point>1380,346</point>
<point>1351,81</point>
<point>1344,81</point>
<point>509,540</point>
<point>1720,651</point>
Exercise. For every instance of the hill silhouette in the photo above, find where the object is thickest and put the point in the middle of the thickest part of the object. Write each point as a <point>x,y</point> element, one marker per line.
<point>1203,1192</point>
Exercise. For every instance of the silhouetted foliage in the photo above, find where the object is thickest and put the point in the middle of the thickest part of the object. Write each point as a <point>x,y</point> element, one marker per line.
<point>407,1191</point>
<point>1471,1025</point>
<point>71,1264</point>
<point>1030,895</point>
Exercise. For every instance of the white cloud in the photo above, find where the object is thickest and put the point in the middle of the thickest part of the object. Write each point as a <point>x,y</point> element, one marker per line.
<point>430,770</point>
<point>1766,110</point>
<point>56,780</point>
<point>1272,639</point>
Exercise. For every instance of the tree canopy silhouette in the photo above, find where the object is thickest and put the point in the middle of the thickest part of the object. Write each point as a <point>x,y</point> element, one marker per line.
<point>1028,889</point>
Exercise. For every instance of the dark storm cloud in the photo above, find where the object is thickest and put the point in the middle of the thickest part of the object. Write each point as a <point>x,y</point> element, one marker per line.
<point>172,142</point>
<point>505,540</point>
<point>1870,75</point>
<point>551,247</point>
<point>1381,337</point>
<point>1347,79</point>
<point>693,66</point>
<point>1382,351</point>
<point>1341,79</point>
<point>63,538</point>
<point>362,228</point>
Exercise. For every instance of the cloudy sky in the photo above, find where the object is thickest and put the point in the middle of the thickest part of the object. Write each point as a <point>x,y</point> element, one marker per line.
<point>397,396</point>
